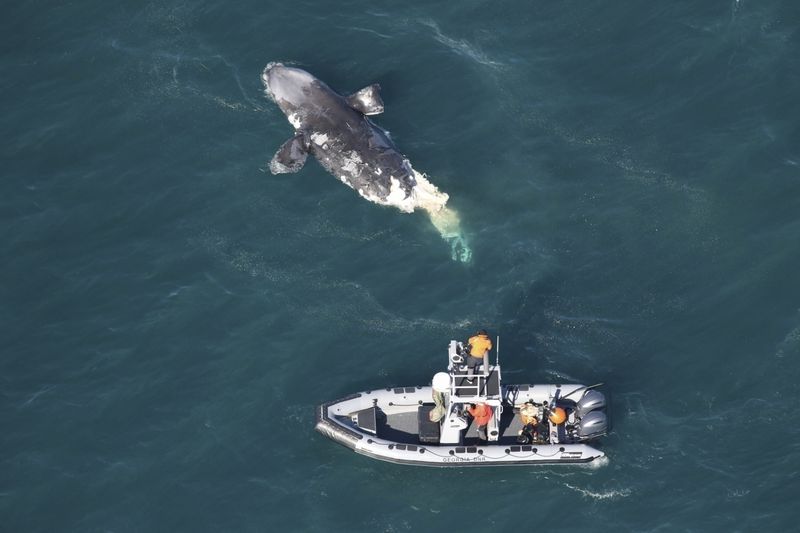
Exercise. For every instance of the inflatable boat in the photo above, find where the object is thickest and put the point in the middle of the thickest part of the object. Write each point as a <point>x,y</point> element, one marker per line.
<point>432,425</point>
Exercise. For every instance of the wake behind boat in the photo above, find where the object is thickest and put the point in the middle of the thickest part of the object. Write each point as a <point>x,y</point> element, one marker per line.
<point>431,425</point>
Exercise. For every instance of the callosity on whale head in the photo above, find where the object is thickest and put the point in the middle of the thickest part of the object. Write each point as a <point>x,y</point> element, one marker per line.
<point>293,89</point>
<point>287,84</point>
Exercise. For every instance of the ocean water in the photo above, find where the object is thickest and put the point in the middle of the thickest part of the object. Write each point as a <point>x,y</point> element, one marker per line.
<point>628,176</point>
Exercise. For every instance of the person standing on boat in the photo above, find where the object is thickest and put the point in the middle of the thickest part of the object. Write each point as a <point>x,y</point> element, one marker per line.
<point>481,413</point>
<point>478,346</point>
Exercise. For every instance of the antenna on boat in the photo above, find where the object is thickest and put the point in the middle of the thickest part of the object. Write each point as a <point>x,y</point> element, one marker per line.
<point>497,353</point>
<point>583,388</point>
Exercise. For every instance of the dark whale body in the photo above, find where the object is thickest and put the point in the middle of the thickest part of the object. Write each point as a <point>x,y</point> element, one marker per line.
<point>336,131</point>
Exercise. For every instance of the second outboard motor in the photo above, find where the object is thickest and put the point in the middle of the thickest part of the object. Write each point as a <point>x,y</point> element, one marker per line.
<point>593,424</point>
<point>591,401</point>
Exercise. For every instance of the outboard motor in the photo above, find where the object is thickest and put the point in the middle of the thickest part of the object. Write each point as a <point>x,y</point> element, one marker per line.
<point>592,400</point>
<point>591,425</point>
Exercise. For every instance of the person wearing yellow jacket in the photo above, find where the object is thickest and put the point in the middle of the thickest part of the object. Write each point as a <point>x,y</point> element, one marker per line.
<point>478,346</point>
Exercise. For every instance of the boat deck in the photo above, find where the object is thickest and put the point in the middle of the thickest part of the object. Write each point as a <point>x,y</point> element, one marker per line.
<point>484,386</point>
<point>404,428</point>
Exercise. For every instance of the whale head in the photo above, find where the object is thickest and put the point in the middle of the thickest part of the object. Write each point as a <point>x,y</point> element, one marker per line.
<point>290,88</point>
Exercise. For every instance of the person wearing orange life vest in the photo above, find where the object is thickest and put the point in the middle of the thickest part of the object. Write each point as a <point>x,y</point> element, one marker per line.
<point>481,413</point>
<point>478,345</point>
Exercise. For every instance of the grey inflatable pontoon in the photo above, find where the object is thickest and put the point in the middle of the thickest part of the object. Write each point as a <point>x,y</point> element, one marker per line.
<point>396,424</point>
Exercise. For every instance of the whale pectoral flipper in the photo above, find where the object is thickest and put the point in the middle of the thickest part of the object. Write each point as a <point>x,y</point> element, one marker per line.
<point>367,101</point>
<point>291,156</point>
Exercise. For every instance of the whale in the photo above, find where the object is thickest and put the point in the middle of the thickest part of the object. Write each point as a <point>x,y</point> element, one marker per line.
<point>337,131</point>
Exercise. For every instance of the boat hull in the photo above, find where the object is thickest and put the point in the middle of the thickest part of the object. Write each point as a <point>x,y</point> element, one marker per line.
<point>335,420</point>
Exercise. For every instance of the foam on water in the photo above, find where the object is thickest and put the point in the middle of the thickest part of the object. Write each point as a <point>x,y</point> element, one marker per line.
<point>601,495</point>
<point>461,46</point>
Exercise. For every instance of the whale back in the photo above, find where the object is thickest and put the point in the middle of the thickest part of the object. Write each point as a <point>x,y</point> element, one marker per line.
<point>339,135</point>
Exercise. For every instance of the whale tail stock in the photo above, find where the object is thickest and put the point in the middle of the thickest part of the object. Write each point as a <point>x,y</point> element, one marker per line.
<point>448,223</point>
<point>446,220</point>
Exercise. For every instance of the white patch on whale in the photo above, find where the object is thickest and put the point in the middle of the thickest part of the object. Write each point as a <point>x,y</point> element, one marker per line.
<point>397,196</point>
<point>352,162</point>
<point>319,139</point>
<point>295,120</point>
